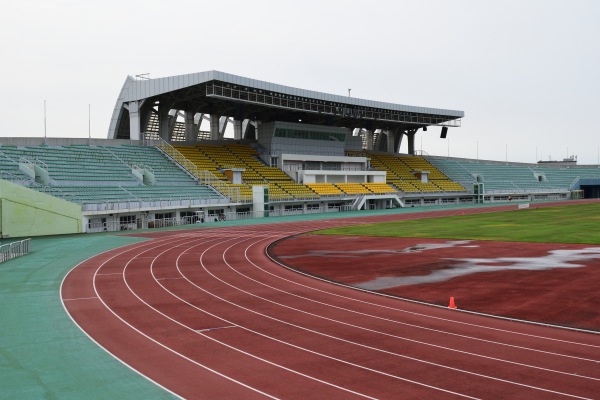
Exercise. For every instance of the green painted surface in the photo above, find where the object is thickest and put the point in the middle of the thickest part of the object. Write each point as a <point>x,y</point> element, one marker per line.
<point>43,354</point>
<point>26,212</point>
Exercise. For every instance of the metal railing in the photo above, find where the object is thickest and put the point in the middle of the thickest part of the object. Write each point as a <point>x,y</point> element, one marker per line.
<point>135,205</point>
<point>208,219</point>
<point>15,249</point>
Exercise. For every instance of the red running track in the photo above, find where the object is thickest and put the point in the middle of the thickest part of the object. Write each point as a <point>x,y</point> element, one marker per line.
<point>206,314</point>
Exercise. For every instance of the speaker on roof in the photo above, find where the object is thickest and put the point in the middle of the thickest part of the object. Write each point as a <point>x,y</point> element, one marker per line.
<point>444,132</point>
<point>424,129</point>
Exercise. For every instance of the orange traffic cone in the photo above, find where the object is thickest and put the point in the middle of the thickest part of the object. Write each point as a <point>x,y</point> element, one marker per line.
<point>452,305</point>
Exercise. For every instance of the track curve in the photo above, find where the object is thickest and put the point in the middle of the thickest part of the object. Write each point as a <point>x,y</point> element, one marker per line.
<point>206,313</point>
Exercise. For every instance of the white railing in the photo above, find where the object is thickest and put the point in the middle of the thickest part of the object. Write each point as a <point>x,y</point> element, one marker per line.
<point>14,249</point>
<point>203,176</point>
<point>134,205</point>
<point>209,219</point>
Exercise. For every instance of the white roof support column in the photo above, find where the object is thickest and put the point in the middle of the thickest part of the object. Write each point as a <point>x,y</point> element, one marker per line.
<point>222,126</point>
<point>245,124</point>
<point>172,121</point>
<point>214,127</point>
<point>400,136</point>
<point>134,120</point>
<point>198,125</point>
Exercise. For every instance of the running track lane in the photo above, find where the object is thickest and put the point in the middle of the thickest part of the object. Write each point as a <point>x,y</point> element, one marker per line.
<point>206,314</point>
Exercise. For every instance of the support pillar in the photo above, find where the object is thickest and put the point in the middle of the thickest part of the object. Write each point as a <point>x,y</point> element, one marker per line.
<point>222,126</point>
<point>257,129</point>
<point>214,127</point>
<point>145,114</point>
<point>134,120</point>
<point>398,143</point>
<point>163,121</point>
<point>237,129</point>
<point>369,134</point>
<point>391,143</point>
<point>380,144</point>
<point>245,124</point>
<point>190,129</point>
<point>411,141</point>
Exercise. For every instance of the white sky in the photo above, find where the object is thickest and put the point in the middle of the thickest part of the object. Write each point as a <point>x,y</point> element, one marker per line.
<point>526,73</point>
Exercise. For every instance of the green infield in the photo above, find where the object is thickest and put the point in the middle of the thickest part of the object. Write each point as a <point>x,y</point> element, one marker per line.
<point>564,224</point>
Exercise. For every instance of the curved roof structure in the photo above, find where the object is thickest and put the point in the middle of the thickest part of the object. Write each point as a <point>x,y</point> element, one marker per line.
<point>222,94</point>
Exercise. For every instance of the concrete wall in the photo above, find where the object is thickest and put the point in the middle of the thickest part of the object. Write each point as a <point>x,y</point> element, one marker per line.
<point>25,212</point>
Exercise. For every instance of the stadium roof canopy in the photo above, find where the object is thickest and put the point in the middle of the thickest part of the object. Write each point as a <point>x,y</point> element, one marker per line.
<point>221,94</point>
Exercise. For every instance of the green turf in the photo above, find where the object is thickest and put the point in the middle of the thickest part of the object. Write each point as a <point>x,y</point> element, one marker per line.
<point>565,224</point>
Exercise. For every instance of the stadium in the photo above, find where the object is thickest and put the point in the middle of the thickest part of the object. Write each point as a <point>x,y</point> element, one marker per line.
<point>179,237</point>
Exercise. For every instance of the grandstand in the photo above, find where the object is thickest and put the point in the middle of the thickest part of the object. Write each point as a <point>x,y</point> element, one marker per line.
<point>168,160</point>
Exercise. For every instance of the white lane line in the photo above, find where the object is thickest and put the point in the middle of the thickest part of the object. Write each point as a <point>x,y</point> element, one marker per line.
<point>217,328</point>
<point>80,298</point>
<point>432,305</point>
<point>400,322</point>
<point>170,278</point>
<point>223,343</point>
<point>430,316</point>
<point>116,252</point>
<point>168,348</point>
<point>348,341</point>
<point>289,344</point>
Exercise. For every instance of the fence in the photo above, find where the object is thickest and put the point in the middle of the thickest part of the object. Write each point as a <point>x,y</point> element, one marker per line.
<point>212,218</point>
<point>14,249</point>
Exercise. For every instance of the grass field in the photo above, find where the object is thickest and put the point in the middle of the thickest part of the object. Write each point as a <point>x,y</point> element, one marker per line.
<point>565,224</point>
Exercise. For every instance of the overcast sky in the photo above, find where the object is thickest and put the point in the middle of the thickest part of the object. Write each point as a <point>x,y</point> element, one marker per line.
<point>526,73</point>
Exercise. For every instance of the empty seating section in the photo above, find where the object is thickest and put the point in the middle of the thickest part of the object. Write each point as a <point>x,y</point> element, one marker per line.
<point>201,160</point>
<point>74,163</point>
<point>401,172</point>
<point>352,188</point>
<point>9,169</point>
<point>165,172</point>
<point>97,174</point>
<point>449,186</point>
<point>379,188</point>
<point>217,158</point>
<point>298,190</point>
<point>325,189</point>
<point>564,177</point>
<point>510,177</point>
